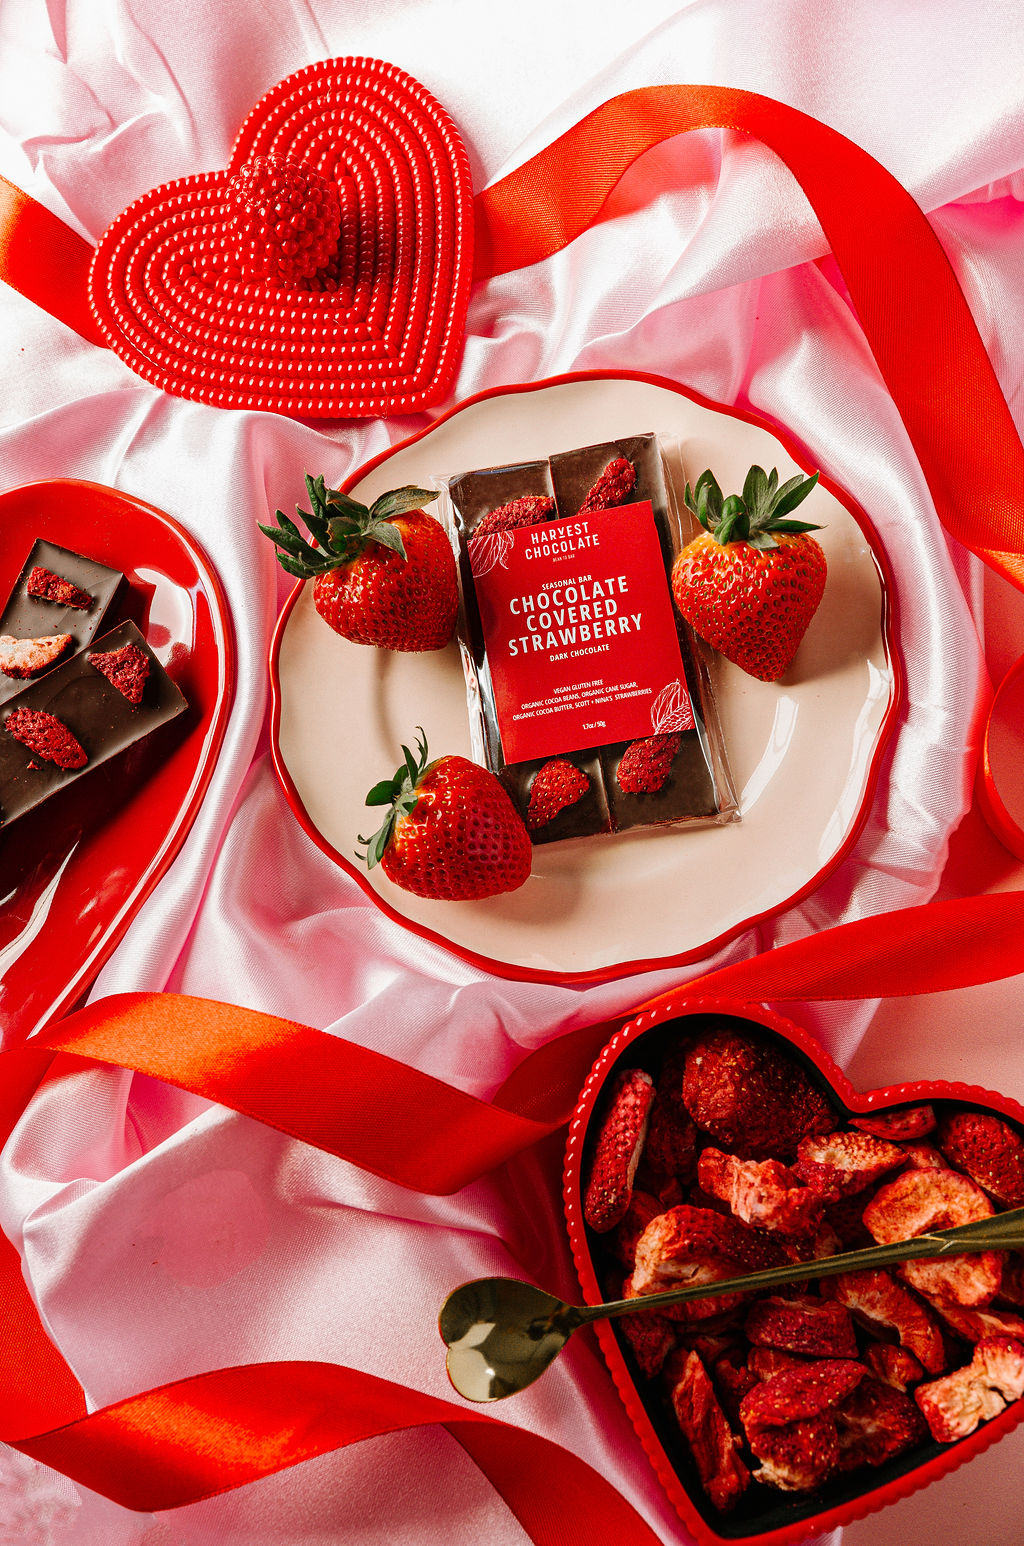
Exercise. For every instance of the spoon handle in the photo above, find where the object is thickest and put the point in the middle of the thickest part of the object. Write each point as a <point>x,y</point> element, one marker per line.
<point>1003,1232</point>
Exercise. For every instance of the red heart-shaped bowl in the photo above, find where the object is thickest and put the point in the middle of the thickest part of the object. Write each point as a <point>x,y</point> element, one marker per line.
<point>387,340</point>
<point>763,1517</point>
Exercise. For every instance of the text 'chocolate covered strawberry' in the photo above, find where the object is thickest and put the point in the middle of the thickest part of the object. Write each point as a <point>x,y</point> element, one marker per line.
<point>451,832</point>
<point>382,574</point>
<point>752,581</point>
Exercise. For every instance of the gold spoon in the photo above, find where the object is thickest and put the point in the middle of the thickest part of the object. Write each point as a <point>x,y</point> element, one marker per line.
<point>502,1334</point>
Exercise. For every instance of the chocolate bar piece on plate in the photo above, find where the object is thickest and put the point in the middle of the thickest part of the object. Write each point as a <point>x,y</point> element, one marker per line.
<point>59,596</point>
<point>97,704</point>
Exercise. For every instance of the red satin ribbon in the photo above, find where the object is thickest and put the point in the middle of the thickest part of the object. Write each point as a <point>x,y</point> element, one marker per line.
<point>168,1446</point>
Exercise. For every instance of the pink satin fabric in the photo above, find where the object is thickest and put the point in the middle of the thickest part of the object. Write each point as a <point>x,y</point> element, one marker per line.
<point>161,1237</point>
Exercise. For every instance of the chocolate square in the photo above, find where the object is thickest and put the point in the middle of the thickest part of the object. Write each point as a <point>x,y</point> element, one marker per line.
<point>30,617</point>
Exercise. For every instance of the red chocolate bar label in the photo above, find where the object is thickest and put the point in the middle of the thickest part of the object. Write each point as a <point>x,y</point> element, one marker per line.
<point>580,633</point>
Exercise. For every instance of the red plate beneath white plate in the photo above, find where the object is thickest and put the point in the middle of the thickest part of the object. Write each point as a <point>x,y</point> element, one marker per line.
<point>805,751</point>
<point>74,872</point>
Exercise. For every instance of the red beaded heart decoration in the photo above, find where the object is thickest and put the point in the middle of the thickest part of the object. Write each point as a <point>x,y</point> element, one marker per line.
<point>325,273</point>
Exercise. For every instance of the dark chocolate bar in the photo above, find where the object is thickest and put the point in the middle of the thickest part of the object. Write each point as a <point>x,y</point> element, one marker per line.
<point>100,718</point>
<point>696,787</point>
<point>29,617</point>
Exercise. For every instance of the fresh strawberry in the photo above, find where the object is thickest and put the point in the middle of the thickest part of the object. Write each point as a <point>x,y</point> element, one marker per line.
<point>284,221</point>
<point>530,510</point>
<point>752,581</point>
<point>382,575</point>
<point>558,785</point>
<point>451,833</point>
<point>614,485</point>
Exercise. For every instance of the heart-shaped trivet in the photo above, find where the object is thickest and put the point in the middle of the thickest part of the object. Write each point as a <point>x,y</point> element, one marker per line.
<point>762,1516</point>
<point>377,331</point>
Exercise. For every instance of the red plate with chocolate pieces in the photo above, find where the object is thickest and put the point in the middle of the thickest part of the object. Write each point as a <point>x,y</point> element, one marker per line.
<point>82,864</point>
<point>786,1414</point>
<point>182,295</point>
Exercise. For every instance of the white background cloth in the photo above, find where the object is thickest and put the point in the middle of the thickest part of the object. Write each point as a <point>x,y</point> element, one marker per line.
<point>161,1238</point>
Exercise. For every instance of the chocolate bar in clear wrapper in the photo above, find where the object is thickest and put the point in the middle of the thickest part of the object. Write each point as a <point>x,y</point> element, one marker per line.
<point>589,696</point>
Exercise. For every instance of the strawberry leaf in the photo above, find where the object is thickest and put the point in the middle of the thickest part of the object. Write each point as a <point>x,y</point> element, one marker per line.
<point>388,536</point>
<point>383,793</point>
<point>401,500</point>
<point>793,493</point>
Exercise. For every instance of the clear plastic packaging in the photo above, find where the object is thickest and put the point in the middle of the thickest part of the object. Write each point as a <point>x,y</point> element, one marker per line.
<point>573,650</point>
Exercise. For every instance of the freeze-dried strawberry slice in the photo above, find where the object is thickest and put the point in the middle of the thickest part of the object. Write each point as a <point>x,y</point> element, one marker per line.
<point>47,736</point>
<point>840,1164</point>
<point>688,1245</point>
<point>1011,1289</point>
<point>750,1097</point>
<point>875,1422</point>
<point>878,1300</point>
<point>732,1379</point>
<point>767,1362</point>
<point>763,1193</point>
<point>651,1336</point>
<point>976,1325</point>
<point>847,1219</point>
<point>989,1150</point>
<point>22,658</point>
<point>531,510</point>
<point>910,1123</point>
<point>671,1147</point>
<point>954,1405</point>
<point>645,765</point>
<point>799,1456</point>
<point>923,1156</point>
<point>821,1327</point>
<point>799,1393</point>
<point>619,1141</point>
<point>642,1209</point>
<point>821,1242</point>
<point>919,1201</point>
<point>44,585</point>
<point>896,1366</point>
<point>616,482</point>
<point>712,1442</point>
<point>558,785</point>
<point>127,669</point>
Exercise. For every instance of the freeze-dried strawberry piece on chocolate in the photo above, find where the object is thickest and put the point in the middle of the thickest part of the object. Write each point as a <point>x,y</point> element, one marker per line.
<point>840,1164</point>
<point>763,1193</point>
<point>22,658</point>
<point>47,736</point>
<point>882,1304</point>
<point>896,1366</point>
<point>876,1422</point>
<point>687,1246</point>
<point>976,1325</point>
<point>910,1123</point>
<point>645,765</point>
<point>799,1393</point>
<point>44,585</point>
<point>531,510</point>
<point>127,669</point>
<point>799,1456</point>
<point>620,1139</point>
<point>919,1201</point>
<point>954,1405</point>
<point>712,1442</point>
<point>614,485</point>
<point>558,785</point>
<point>989,1150</point>
<point>751,1097</point>
<point>802,1324</point>
<point>651,1336</point>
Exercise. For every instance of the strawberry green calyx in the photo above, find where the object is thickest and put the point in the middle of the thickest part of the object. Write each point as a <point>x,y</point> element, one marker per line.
<point>400,794</point>
<point>341,527</point>
<point>763,508</point>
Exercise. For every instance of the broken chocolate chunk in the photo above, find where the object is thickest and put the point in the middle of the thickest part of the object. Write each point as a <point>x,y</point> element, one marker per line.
<point>27,616</point>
